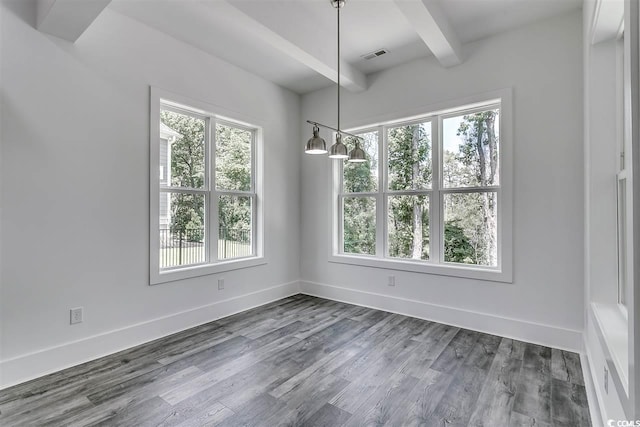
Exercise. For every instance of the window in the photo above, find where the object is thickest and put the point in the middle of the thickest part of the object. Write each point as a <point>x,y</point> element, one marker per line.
<point>623,190</point>
<point>204,205</point>
<point>431,196</point>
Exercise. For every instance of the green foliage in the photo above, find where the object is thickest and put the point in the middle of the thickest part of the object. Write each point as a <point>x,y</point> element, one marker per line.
<point>409,149</point>
<point>186,218</point>
<point>456,173</point>
<point>470,218</point>
<point>360,225</point>
<point>360,212</point>
<point>402,227</point>
<point>362,177</point>
<point>357,177</point>
<point>187,170</point>
<point>187,152</point>
<point>233,158</point>
<point>473,214</point>
<point>233,172</point>
<point>457,246</point>
<point>479,148</point>
<point>234,213</point>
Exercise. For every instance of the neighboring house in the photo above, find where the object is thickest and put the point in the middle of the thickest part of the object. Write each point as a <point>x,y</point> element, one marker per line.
<point>167,137</point>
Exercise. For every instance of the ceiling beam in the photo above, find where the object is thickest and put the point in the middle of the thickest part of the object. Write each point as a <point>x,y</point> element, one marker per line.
<point>294,38</point>
<point>68,19</point>
<point>608,20</point>
<point>433,26</point>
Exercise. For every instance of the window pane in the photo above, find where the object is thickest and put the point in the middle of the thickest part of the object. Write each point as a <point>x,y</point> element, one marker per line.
<point>362,177</point>
<point>408,226</point>
<point>622,241</point>
<point>182,142</point>
<point>470,150</point>
<point>620,111</point>
<point>409,150</point>
<point>233,158</point>
<point>182,232</point>
<point>359,225</point>
<point>471,228</point>
<point>235,231</point>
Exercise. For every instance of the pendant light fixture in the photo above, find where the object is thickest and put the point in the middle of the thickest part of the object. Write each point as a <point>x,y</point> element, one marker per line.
<point>317,145</point>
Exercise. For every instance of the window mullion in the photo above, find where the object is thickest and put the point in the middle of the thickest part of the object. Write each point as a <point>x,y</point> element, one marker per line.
<point>254,224</point>
<point>340,248</point>
<point>426,191</point>
<point>381,226</point>
<point>253,162</point>
<point>436,230</point>
<point>212,215</point>
<point>337,173</point>
<point>234,193</point>
<point>489,189</point>
<point>382,206</point>
<point>361,194</point>
<point>382,155</point>
<point>183,190</point>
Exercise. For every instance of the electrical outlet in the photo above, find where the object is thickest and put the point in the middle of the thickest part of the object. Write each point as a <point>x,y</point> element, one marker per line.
<point>76,315</point>
<point>606,380</point>
<point>220,284</point>
<point>392,281</point>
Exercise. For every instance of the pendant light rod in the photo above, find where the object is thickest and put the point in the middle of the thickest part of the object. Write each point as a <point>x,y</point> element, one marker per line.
<point>317,145</point>
<point>338,8</point>
<point>334,129</point>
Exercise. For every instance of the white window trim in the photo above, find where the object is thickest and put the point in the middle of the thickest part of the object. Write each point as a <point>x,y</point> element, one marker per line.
<point>156,275</point>
<point>624,219</point>
<point>504,271</point>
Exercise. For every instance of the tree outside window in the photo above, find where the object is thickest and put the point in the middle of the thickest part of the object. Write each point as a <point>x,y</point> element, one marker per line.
<point>438,202</point>
<point>193,187</point>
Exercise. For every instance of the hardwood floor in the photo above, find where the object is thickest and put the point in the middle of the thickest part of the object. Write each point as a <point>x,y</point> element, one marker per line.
<point>305,361</point>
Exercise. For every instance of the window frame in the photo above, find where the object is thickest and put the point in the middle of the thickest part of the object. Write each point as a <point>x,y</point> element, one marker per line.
<point>503,272</point>
<point>623,188</point>
<point>160,100</point>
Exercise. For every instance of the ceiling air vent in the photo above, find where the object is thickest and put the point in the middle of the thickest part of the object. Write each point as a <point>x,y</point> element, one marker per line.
<point>375,54</point>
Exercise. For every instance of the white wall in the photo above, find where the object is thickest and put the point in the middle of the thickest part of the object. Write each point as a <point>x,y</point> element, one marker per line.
<point>75,190</point>
<point>543,64</point>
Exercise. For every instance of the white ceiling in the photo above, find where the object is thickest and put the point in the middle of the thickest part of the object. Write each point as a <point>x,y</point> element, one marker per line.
<point>293,42</point>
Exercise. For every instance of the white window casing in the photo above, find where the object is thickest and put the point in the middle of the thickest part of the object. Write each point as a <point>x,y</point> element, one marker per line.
<point>211,262</point>
<point>503,272</point>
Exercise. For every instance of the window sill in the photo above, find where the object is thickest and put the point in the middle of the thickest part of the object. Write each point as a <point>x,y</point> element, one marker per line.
<point>204,269</point>
<point>468,272</point>
<point>612,328</point>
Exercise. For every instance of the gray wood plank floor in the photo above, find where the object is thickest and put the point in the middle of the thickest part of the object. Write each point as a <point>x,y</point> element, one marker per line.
<point>306,361</point>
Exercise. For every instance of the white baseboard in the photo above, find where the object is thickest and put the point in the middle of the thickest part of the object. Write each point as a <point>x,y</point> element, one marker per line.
<point>536,333</point>
<point>42,362</point>
<point>596,411</point>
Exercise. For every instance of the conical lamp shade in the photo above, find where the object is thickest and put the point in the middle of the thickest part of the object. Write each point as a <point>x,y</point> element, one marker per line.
<point>316,145</point>
<point>357,155</point>
<point>338,150</point>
